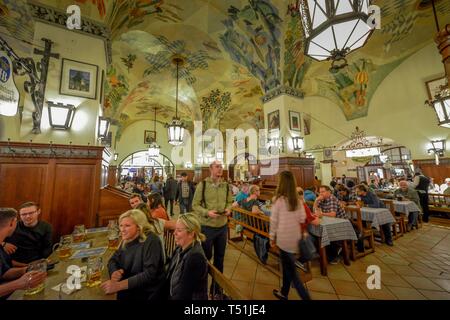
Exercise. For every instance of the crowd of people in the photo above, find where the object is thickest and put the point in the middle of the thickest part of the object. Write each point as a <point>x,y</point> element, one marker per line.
<point>139,269</point>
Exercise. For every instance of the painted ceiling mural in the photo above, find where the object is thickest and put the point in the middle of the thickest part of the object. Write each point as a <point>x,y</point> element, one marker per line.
<point>235,52</point>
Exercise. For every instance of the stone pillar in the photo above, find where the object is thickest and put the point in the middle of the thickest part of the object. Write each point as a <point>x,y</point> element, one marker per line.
<point>443,43</point>
<point>327,172</point>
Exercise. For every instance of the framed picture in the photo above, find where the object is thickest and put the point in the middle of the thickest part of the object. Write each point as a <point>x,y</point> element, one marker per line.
<point>149,136</point>
<point>273,120</point>
<point>294,121</point>
<point>433,86</point>
<point>78,79</point>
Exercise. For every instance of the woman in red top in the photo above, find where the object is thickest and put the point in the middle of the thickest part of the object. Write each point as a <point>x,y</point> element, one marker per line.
<point>156,207</point>
<point>309,216</point>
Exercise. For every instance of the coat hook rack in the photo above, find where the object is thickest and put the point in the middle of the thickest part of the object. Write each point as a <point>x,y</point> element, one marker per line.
<point>89,151</point>
<point>70,149</point>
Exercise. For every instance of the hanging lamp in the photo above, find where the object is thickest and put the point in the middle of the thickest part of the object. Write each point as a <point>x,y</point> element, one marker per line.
<point>176,128</point>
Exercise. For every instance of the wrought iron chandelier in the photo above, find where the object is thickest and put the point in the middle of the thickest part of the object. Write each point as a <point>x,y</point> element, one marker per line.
<point>360,146</point>
<point>334,28</point>
<point>176,128</point>
<point>153,149</point>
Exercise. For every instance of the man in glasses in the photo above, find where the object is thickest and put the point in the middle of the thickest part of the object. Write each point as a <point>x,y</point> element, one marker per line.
<point>13,278</point>
<point>32,239</point>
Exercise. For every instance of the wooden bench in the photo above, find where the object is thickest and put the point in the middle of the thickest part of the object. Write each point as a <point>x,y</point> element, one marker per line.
<point>439,203</point>
<point>252,224</point>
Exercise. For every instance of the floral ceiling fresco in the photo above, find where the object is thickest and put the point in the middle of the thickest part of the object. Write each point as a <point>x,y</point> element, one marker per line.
<point>236,50</point>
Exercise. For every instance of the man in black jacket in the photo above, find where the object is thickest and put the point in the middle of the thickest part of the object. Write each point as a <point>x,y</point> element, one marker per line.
<point>185,194</point>
<point>32,239</point>
<point>421,183</point>
<point>170,192</point>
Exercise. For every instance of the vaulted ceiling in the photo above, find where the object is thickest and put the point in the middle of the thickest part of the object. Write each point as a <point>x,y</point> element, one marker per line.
<point>235,51</point>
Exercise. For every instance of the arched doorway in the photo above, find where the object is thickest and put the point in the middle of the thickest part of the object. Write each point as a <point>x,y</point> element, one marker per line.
<point>243,167</point>
<point>140,165</point>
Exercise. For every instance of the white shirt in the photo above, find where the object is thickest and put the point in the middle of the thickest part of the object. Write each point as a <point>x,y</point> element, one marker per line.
<point>443,187</point>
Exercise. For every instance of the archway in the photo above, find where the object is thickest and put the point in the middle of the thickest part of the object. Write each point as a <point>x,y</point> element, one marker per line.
<point>139,164</point>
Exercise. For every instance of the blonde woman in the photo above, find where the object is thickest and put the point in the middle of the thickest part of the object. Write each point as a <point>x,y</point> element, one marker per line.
<point>288,212</point>
<point>137,267</point>
<point>188,269</point>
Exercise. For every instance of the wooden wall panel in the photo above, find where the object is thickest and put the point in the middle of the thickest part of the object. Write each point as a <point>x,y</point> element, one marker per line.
<point>73,197</point>
<point>437,172</point>
<point>21,183</point>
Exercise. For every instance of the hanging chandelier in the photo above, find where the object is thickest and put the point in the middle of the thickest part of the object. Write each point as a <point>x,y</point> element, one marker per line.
<point>360,146</point>
<point>153,149</point>
<point>334,28</point>
<point>176,128</point>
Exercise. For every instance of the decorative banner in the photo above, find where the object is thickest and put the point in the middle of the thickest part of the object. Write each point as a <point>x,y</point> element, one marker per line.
<point>9,95</point>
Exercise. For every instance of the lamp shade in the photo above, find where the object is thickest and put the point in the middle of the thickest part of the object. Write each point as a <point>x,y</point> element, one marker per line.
<point>438,145</point>
<point>153,150</point>
<point>442,108</point>
<point>60,115</point>
<point>334,28</point>
<point>103,127</point>
<point>175,131</point>
<point>298,144</point>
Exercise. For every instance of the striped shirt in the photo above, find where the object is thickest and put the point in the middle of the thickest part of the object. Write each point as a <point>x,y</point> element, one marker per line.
<point>285,225</point>
<point>331,204</point>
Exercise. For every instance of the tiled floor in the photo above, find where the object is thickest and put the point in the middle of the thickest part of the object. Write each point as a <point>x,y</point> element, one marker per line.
<point>417,267</point>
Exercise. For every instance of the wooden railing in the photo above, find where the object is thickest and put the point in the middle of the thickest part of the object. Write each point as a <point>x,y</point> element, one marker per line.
<point>439,202</point>
<point>113,202</point>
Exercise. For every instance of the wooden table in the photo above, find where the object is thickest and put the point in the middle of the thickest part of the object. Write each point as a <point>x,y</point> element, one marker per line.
<point>58,275</point>
<point>332,229</point>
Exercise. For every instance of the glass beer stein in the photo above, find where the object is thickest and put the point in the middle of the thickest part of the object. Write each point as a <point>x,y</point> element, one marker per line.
<point>113,234</point>
<point>64,247</point>
<point>94,271</point>
<point>40,266</point>
<point>79,233</point>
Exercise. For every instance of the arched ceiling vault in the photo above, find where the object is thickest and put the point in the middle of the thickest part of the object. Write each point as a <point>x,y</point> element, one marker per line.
<point>236,50</point>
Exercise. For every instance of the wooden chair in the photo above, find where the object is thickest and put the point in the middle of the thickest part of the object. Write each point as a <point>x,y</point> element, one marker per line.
<point>356,219</point>
<point>399,221</point>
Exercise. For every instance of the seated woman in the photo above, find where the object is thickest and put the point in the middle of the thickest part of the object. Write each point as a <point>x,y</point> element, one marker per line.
<point>137,267</point>
<point>251,203</point>
<point>188,269</point>
<point>156,207</point>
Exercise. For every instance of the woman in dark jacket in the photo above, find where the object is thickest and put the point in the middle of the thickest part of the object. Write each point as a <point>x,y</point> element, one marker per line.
<point>188,269</point>
<point>137,268</point>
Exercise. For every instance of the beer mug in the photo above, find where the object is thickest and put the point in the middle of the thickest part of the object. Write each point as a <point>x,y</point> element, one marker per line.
<point>40,266</point>
<point>113,234</point>
<point>94,271</point>
<point>64,247</point>
<point>79,233</point>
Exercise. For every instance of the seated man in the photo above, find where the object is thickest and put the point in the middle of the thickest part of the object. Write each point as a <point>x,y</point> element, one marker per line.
<point>11,278</point>
<point>371,200</point>
<point>32,239</point>
<point>327,204</point>
<point>135,199</point>
<point>140,189</point>
<point>251,203</point>
<point>410,194</point>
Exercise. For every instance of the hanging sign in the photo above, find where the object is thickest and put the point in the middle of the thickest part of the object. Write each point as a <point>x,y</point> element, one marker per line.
<point>9,95</point>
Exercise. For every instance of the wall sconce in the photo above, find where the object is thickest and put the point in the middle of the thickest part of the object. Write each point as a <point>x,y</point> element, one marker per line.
<point>438,148</point>
<point>60,115</point>
<point>441,106</point>
<point>103,127</point>
<point>298,144</point>
<point>116,155</point>
<point>188,165</point>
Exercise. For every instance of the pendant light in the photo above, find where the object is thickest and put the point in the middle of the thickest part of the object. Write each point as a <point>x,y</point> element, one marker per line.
<point>176,128</point>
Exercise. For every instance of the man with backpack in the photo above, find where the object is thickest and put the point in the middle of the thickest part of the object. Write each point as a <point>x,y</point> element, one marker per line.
<point>212,203</point>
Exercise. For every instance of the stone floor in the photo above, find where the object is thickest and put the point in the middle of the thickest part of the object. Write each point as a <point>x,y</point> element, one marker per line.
<point>416,267</point>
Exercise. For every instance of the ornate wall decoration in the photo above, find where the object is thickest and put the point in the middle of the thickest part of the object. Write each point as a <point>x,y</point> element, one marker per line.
<point>214,106</point>
<point>255,46</point>
<point>272,94</point>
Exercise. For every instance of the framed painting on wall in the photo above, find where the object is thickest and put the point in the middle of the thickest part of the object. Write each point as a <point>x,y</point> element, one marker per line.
<point>434,86</point>
<point>78,79</point>
<point>294,121</point>
<point>149,136</point>
<point>273,120</point>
